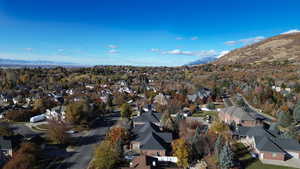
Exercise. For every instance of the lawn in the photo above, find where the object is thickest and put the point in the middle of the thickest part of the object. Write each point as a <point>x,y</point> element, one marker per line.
<point>251,163</point>
<point>204,113</point>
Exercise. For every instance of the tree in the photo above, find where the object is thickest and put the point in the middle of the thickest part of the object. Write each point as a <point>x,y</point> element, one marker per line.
<point>125,110</point>
<point>218,145</point>
<point>285,118</point>
<point>106,156</point>
<point>25,158</point>
<point>78,113</point>
<point>296,112</point>
<point>211,106</point>
<point>57,132</point>
<point>182,152</point>
<point>117,134</point>
<point>5,130</point>
<point>219,127</point>
<point>166,121</point>
<point>226,157</point>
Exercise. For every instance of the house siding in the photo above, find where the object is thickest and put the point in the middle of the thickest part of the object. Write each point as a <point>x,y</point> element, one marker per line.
<point>154,152</point>
<point>270,156</point>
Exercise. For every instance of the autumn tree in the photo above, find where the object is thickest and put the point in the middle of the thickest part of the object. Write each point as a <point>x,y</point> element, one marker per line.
<point>25,158</point>
<point>106,156</point>
<point>79,112</point>
<point>117,134</point>
<point>57,132</point>
<point>182,152</point>
<point>5,130</point>
<point>125,110</point>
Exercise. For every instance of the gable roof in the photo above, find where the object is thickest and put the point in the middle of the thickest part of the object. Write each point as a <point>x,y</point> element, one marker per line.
<point>151,116</point>
<point>143,131</point>
<point>153,142</point>
<point>238,113</point>
<point>4,143</point>
<point>268,140</point>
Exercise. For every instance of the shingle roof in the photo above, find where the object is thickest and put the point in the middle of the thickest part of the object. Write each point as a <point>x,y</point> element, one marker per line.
<point>288,144</point>
<point>153,142</point>
<point>143,131</point>
<point>150,116</point>
<point>267,140</point>
<point>266,144</point>
<point>237,112</point>
<point>4,143</point>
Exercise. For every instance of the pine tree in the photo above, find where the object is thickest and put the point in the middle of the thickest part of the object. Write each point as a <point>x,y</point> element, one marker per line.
<point>218,145</point>
<point>226,157</point>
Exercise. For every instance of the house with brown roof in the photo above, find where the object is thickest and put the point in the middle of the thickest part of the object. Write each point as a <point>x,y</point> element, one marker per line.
<point>238,116</point>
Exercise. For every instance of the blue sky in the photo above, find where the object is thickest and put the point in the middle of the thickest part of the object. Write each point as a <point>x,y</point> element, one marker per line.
<point>138,32</point>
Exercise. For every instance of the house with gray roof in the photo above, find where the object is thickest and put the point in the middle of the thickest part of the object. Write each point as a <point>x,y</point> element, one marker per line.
<point>239,116</point>
<point>149,116</point>
<point>151,140</point>
<point>268,144</point>
<point>5,148</point>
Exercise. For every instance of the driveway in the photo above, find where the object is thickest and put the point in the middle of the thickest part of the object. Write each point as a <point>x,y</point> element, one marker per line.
<point>84,150</point>
<point>293,162</point>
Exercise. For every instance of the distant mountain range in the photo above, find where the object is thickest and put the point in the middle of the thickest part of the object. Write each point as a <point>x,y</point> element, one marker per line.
<point>278,48</point>
<point>204,60</point>
<point>35,62</point>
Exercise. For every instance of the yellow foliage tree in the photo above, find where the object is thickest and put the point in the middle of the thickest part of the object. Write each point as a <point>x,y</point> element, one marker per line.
<point>181,151</point>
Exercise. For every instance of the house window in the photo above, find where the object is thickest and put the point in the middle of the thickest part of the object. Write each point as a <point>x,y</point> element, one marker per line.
<point>274,155</point>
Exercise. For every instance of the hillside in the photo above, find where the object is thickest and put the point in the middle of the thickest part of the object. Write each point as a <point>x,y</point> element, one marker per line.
<point>277,48</point>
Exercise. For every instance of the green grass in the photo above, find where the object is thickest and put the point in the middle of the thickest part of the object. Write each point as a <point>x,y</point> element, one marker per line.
<point>258,165</point>
<point>250,163</point>
<point>204,113</point>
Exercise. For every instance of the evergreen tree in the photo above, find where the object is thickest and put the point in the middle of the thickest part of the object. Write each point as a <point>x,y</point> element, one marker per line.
<point>296,112</point>
<point>285,119</point>
<point>226,157</point>
<point>218,145</point>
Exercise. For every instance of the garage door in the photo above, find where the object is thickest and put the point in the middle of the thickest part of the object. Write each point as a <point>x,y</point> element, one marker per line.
<point>294,154</point>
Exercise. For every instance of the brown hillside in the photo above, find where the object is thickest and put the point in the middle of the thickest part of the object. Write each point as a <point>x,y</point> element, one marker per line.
<point>277,48</point>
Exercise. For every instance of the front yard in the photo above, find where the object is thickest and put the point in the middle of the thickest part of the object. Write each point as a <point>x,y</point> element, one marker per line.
<point>213,114</point>
<point>248,162</point>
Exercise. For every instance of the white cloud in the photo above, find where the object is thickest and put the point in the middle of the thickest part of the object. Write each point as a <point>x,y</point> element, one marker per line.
<point>60,50</point>
<point>195,38</point>
<point>177,52</point>
<point>113,46</point>
<point>222,53</point>
<point>155,50</point>
<point>202,53</point>
<point>291,31</point>
<point>245,41</point>
<point>113,51</point>
<point>179,38</point>
<point>232,42</point>
<point>28,49</point>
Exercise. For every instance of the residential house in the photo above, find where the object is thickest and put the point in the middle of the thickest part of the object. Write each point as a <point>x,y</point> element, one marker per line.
<point>5,148</point>
<point>148,162</point>
<point>203,94</point>
<point>151,140</point>
<point>239,116</point>
<point>268,144</point>
<point>148,116</point>
<point>56,113</point>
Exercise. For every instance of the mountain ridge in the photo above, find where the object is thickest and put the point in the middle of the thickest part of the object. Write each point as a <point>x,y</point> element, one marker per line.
<point>277,48</point>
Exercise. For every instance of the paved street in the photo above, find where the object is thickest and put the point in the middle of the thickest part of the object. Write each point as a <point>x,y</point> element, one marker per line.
<point>83,154</point>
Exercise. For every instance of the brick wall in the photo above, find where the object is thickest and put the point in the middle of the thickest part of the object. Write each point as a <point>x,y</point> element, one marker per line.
<point>154,152</point>
<point>273,156</point>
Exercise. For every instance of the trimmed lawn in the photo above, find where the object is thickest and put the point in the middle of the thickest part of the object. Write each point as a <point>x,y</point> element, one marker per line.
<point>204,113</point>
<point>258,165</point>
<point>251,163</point>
